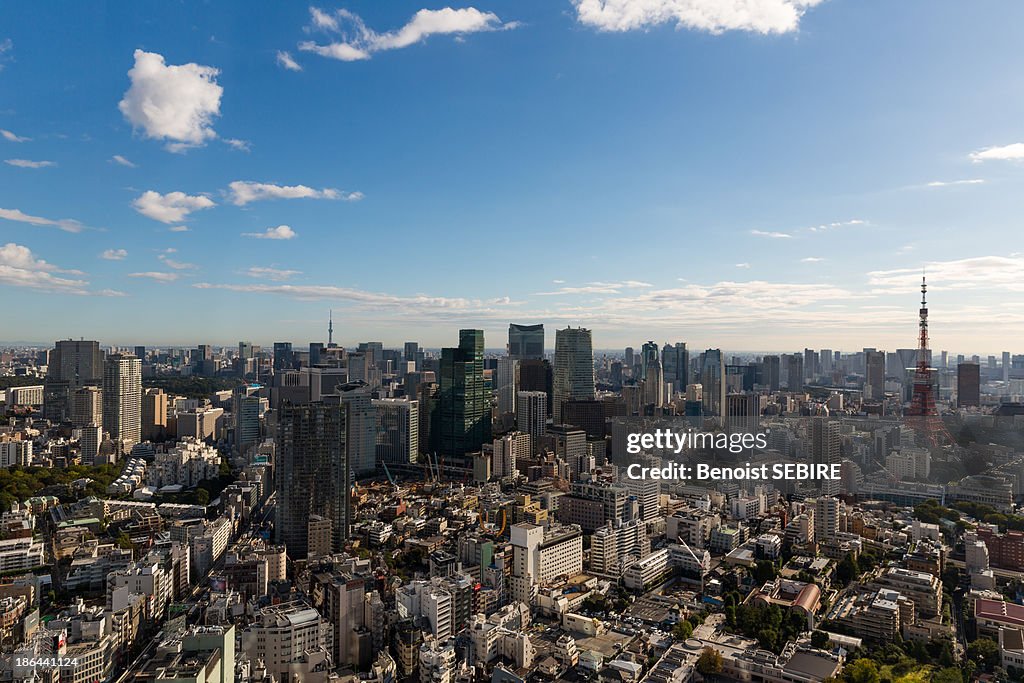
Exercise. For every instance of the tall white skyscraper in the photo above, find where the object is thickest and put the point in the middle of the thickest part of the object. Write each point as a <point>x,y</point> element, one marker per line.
<point>532,415</point>
<point>122,399</point>
<point>574,368</point>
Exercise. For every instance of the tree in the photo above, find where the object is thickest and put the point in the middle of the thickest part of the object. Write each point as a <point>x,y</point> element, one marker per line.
<point>847,570</point>
<point>947,675</point>
<point>985,652</point>
<point>202,496</point>
<point>710,661</point>
<point>862,671</point>
<point>764,571</point>
<point>682,630</point>
<point>123,541</point>
<point>819,639</point>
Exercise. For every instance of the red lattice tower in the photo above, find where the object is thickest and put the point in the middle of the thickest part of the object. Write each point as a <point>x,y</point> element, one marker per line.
<point>923,416</point>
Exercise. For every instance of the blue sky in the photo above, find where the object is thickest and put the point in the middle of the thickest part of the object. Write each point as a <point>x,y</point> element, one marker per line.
<point>763,178</point>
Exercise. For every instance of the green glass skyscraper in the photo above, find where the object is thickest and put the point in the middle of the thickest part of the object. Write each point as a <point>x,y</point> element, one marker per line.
<point>463,402</point>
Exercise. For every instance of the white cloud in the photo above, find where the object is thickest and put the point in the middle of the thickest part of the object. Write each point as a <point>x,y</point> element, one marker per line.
<point>11,137</point>
<point>812,259</point>
<point>6,46</point>
<point>949,183</point>
<point>244,191</point>
<point>742,265</point>
<point>156,275</point>
<point>275,274</point>
<point>281,232</point>
<point>19,267</point>
<point>114,254</point>
<point>1014,152</point>
<point>979,272</point>
<point>178,228</point>
<point>176,265</point>
<point>240,145</point>
<point>598,288</point>
<point>373,300</point>
<point>172,207</point>
<point>118,159</point>
<point>713,16</point>
<point>65,224</point>
<point>286,61</point>
<point>357,41</point>
<point>27,163</point>
<point>176,103</point>
<point>825,227</point>
<point>773,235</point>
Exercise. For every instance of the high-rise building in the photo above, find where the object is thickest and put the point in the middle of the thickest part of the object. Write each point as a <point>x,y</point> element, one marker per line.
<point>874,375</point>
<point>246,410</point>
<point>810,364</point>
<point>89,444</point>
<point>712,378</point>
<point>532,416</point>
<point>398,434</point>
<point>311,473</point>
<point>770,372</point>
<point>574,368</point>
<point>825,449</point>
<point>507,452</point>
<point>826,518</point>
<point>505,384</point>
<point>362,427</point>
<point>675,361</point>
<point>968,385</point>
<point>463,402</point>
<point>316,350</point>
<point>648,355</point>
<point>154,414</point>
<point>86,406</point>
<point>526,342</point>
<point>122,400</point>
<point>654,384</point>
<point>795,372</point>
<point>411,354</point>
<point>72,364</point>
<point>283,357</point>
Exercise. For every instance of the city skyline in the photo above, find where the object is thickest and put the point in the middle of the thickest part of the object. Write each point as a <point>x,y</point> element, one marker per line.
<point>746,181</point>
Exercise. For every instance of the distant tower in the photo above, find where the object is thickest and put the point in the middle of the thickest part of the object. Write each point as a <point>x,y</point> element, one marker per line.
<point>923,413</point>
<point>330,328</point>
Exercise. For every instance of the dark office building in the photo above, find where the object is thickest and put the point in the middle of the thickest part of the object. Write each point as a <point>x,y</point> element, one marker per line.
<point>463,402</point>
<point>526,342</point>
<point>770,372</point>
<point>795,372</point>
<point>587,415</point>
<point>311,473</point>
<point>968,385</point>
<point>72,365</point>
<point>283,357</point>
<point>536,375</point>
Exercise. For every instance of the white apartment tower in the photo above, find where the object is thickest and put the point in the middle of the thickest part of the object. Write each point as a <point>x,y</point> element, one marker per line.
<point>122,399</point>
<point>532,416</point>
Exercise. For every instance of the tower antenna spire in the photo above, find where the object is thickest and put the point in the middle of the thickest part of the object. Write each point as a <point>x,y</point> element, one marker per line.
<point>330,327</point>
